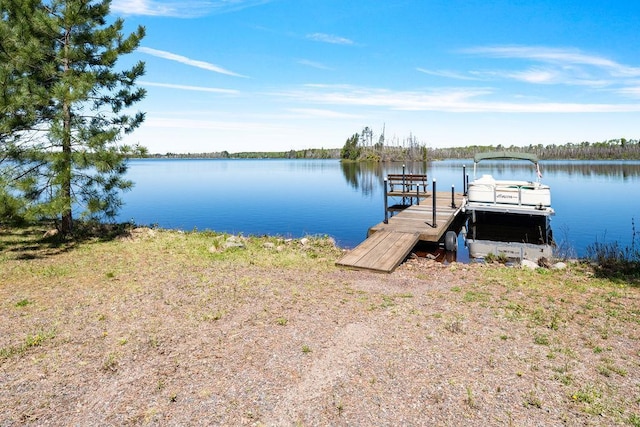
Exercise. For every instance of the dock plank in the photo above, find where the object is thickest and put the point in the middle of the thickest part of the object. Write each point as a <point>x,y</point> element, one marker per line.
<point>354,256</point>
<point>388,244</point>
<point>382,251</point>
<point>419,218</point>
<point>390,253</point>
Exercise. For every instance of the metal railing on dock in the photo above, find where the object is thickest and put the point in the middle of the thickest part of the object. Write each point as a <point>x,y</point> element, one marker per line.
<point>409,190</point>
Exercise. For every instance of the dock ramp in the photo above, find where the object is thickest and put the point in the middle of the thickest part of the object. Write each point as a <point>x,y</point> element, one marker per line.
<point>383,251</point>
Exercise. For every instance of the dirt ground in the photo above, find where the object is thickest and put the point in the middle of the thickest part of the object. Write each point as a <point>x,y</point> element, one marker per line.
<point>150,332</point>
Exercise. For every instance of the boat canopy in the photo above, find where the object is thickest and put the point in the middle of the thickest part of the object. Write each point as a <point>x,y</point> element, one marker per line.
<point>505,155</point>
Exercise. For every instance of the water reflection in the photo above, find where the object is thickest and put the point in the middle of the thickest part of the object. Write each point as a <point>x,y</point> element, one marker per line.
<point>614,169</point>
<point>365,176</point>
<point>622,170</point>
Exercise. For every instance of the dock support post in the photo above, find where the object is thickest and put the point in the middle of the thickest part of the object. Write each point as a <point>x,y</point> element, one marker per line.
<point>386,204</point>
<point>418,194</point>
<point>404,187</point>
<point>434,225</point>
<point>453,200</point>
<point>464,182</point>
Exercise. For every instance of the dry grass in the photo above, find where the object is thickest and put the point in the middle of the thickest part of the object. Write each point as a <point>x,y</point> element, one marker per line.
<point>167,328</point>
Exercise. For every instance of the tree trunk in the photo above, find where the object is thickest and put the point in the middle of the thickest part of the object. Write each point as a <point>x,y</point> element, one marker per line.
<point>67,217</point>
<point>66,227</point>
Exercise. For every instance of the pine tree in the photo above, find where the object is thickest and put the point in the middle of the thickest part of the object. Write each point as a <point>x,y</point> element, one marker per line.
<point>351,150</point>
<point>64,107</point>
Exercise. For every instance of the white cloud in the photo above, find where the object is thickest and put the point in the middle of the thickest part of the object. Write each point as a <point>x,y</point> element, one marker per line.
<point>314,64</point>
<point>317,113</point>
<point>633,91</point>
<point>447,99</point>
<point>556,56</point>
<point>537,76</point>
<point>181,9</point>
<point>547,76</point>
<point>188,61</point>
<point>557,76</point>
<point>442,100</point>
<point>191,88</point>
<point>447,74</point>
<point>555,66</point>
<point>329,38</point>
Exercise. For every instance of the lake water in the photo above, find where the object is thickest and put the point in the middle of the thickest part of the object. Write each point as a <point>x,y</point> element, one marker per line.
<point>594,201</point>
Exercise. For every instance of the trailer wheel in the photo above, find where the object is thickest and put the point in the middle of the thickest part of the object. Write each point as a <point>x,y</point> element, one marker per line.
<point>451,241</point>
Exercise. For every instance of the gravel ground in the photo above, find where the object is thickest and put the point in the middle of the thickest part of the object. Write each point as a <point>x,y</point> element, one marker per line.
<point>140,331</point>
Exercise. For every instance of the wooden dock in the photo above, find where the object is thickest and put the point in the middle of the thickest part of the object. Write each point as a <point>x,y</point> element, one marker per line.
<point>390,243</point>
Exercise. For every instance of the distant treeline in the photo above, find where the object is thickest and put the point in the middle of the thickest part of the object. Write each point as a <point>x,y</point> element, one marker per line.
<point>613,149</point>
<point>311,153</point>
<point>367,146</point>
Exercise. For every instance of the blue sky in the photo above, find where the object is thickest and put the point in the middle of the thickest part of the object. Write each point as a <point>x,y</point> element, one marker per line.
<point>272,75</point>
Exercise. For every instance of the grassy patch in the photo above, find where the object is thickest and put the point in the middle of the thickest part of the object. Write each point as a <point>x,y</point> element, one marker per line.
<point>476,296</point>
<point>589,394</point>
<point>541,339</point>
<point>23,303</point>
<point>30,341</point>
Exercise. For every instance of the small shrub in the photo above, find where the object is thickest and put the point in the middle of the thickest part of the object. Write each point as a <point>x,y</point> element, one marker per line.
<point>541,339</point>
<point>110,363</point>
<point>565,379</point>
<point>470,399</point>
<point>613,257</point>
<point>531,400</point>
<point>213,315</point>
<point>491,258</point>
<point>455,326</point>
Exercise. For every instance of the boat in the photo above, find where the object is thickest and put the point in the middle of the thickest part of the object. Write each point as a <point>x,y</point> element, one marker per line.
<point>487,194</point>
<point>508,236</point>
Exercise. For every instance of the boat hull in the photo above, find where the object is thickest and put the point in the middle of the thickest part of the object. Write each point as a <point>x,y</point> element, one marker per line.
<point>510,236</point>
<point>512,250</point>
